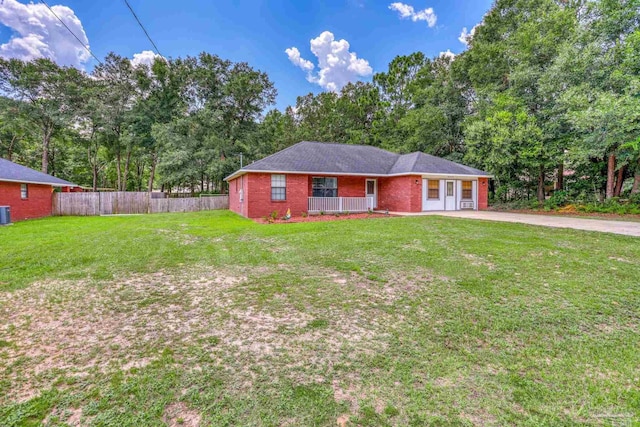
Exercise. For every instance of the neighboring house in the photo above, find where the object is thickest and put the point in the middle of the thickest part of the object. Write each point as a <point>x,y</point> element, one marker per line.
<point>28,192</point>
<point>319,177</point>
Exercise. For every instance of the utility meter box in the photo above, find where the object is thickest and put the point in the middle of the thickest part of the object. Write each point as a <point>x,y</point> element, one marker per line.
<point>5,215</point>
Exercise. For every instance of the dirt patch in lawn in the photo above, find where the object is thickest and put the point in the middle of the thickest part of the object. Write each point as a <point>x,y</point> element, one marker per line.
<point>80,327</point>
<point>180,415</point>
<point>85,328</point>
<point>319,218</point>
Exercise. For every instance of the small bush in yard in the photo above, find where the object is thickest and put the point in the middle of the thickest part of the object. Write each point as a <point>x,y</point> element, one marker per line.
<point>558,199</point>
<point>274,215</point>
<point>304,214</point>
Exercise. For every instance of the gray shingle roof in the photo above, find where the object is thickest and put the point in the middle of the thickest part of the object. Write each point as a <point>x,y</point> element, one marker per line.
<point>307,156</point>
<point>425,163</point>
<point>14,172</point>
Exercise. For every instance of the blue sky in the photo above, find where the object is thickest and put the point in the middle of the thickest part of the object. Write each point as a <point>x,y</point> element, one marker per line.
<point>257,32</point>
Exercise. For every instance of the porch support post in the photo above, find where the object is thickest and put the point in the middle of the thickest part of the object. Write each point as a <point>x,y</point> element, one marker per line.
<point>339,204</point>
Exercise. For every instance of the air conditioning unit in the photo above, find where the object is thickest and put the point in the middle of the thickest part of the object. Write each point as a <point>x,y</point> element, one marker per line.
<point>466,205</point>
<point>5,215</point>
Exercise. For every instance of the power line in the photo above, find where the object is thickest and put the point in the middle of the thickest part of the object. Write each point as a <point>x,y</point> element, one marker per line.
<point>142,26</point>
<point>72,33</point>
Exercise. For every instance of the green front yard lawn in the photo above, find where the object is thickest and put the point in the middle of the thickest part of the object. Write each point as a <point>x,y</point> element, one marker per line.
<point>211,319</point>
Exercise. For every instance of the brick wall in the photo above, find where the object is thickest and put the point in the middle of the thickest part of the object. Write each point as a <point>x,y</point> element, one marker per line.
<point>235,186</point>
<point>258,195</point>
<point>348,186</point>
<point>400,193</point>
<point>37,205</point>
<point>483,193</point>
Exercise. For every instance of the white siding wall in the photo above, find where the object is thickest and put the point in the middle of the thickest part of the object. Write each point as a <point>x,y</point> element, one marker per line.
<point>432,205</point>
<point>438,205</point>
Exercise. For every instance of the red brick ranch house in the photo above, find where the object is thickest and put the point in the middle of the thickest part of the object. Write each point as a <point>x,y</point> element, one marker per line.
<point>316,177</point>
<point>27,192</point>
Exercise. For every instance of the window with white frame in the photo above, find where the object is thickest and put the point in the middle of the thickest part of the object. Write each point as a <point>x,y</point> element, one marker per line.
<point>278,187</point>
<point>433,189</point>
<point>324,187</point>
<point>24,191</point>
<point>467,190</point>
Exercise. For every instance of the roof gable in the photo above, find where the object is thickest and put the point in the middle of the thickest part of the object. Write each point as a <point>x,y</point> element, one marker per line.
<point>14,172</point>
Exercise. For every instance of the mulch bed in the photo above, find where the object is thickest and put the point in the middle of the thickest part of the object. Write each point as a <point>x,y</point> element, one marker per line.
<point>576,213</point>
<point>326,217</point>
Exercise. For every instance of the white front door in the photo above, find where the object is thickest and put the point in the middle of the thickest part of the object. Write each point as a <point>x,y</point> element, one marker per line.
<point>450,196</point>
<point>371,192</point>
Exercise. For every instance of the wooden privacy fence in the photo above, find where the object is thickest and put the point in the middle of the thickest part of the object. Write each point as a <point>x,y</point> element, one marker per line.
<point>125,202</point>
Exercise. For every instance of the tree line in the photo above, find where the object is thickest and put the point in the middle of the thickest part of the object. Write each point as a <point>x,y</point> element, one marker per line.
<point>546,97</point>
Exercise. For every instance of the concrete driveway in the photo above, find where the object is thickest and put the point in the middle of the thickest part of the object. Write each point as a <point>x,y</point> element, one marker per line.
<point>627,228</point>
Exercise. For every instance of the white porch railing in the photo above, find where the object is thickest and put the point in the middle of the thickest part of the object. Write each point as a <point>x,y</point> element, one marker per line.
<point>340,204</point>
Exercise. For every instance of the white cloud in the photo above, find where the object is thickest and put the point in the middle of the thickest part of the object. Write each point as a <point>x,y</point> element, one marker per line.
<point>447,54</point>
<point>466,36</point>
<point>337,65</point>
<point>294,56</point>
<point>145,57</point>
<point>38,33</point>
<point>407,11</point>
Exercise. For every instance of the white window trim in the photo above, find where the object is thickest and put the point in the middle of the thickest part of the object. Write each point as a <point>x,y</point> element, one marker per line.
<point>284,179</point>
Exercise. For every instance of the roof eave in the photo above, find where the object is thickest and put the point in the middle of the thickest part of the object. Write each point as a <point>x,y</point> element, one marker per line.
<point>53,184</point>
<point>241,172</point>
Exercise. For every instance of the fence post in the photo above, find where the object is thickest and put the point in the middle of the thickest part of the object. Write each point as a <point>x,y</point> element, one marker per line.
<point>339,204</point>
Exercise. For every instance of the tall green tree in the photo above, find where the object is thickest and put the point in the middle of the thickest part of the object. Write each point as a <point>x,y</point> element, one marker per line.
<point>50,95</point>
<point>510,54</point>
<point>599,73</point>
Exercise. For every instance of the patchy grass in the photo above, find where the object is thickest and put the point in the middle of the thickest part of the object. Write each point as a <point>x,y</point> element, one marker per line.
<point>211,319</point>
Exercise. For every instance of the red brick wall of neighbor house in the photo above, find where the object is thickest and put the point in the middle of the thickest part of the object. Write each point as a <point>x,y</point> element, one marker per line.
<point>483,193</point>
<point>400,193</point>
<point>258,195</point>
<point>37,205</point>
<point>235,185</point>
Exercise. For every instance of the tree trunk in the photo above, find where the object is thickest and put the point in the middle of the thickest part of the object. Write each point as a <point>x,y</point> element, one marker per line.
<point>636,180</point>
<point>611,174</point>
<point>93,161</point>
<point>10,149</point>
<point>152,173</point>
<point>619,181</point>
<point>560,177</point>
<point>541,184</point>
<point>46,139</point>
<point>118,168</point>
<point>126,171</point>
